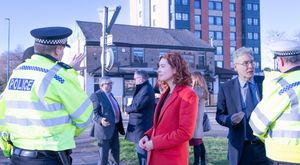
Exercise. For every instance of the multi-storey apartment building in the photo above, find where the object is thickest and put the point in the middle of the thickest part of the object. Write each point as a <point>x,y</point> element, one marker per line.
<point>227,24</point>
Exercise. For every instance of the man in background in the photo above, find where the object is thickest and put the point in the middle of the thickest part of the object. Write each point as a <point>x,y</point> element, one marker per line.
<point>236,100</point>
<point>107,123</point>
<point>140,112</point>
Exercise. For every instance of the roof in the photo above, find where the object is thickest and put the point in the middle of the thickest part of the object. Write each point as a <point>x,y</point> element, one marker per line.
<point>142,36</point>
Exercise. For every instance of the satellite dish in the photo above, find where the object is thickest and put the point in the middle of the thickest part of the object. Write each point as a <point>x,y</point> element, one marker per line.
<point>109,59</point>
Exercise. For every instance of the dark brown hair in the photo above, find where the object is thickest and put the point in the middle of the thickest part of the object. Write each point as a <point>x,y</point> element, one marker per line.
<point>182,75</point>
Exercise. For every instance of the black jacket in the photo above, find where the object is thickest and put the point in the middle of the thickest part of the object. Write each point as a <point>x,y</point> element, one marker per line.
<point>141,112</point>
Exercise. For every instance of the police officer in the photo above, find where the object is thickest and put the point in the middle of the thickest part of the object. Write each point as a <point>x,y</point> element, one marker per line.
<point>44,107</point>
<point>276,119</point>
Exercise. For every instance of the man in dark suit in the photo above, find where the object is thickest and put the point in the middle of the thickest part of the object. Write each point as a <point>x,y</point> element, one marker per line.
<point>140,112</point>
<point>107,122</point>
<point>237,99</point>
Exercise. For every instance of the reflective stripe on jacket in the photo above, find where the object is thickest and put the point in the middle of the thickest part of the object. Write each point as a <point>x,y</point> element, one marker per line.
<point>46,110</point>
<point>276,119</point>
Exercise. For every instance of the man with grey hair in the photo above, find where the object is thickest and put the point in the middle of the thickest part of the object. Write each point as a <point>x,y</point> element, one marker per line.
<point>276,119</point>
<point>236,100</point>
<point>107,123</point>
<point>140,112</point>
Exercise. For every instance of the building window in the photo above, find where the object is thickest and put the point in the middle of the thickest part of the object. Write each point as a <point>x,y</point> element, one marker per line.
<point>154,8</point>
<point>115,51</point>
<point>255,7</point>
<point>219,50</point>
<point>232,49</point>
<point>185,16</point>
<point>184,2</point>
<point>218,6</point>
<point>198,34</point>
<point>231,6</point>
<point>138,55</point>
<point>232,36</point>
<point>249,21</point>
<point>250,36</point>
<point>249,6</point>
<point>197,4</point>
<point>211,20</point>
<point>215,35</point>
<point>211,34</point>
<point>256,50</point>
<point>219,21</point>
<point>178,16</point>
<point>219,64</point>
<point>178,2</point>
<point>201,62</point>
<point>211,5</point>
<point>197,19</point>
<point>189,58</point>
<point>219,35</point>
<point>255,21</point>
<point>232,21</point>
<point>163,52</point>
<point>255,36</point>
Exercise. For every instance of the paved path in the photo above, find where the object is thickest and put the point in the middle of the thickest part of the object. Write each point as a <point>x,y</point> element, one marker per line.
<point>87,150</point>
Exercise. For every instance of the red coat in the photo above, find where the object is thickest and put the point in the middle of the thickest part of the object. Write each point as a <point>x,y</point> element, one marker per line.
<point>171,133</point>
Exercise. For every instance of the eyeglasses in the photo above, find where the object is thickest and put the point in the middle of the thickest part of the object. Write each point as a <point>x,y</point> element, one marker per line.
<point>247,63</point>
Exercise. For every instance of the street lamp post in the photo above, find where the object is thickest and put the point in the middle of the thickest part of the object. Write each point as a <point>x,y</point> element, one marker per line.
<point>8,46</point>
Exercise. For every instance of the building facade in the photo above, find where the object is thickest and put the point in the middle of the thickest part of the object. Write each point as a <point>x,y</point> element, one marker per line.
<point>136,47</point>
<point>226,24</point>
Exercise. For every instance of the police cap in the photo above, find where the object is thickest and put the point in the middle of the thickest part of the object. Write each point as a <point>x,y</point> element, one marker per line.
<point>285,48</point>
<point>28,53</point>
<point>51,35</point>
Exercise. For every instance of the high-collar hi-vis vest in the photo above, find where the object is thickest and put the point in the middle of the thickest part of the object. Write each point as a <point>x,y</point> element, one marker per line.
<point>43,106</point>
<point>276,119</point>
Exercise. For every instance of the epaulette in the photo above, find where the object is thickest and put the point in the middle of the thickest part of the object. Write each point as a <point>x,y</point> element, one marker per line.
<point>64,65</point>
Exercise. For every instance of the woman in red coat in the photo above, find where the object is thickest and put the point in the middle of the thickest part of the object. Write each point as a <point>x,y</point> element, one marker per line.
<point>175,115</point>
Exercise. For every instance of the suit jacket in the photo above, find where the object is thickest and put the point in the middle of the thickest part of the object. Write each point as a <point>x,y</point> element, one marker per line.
<point>173,128</point>
<point>229,102</point>
<point>141,112</point>
<point>103,109</point>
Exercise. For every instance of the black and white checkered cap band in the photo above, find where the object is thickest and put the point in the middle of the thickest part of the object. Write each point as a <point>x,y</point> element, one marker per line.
<point>51,42</point>
<point>287,53</point>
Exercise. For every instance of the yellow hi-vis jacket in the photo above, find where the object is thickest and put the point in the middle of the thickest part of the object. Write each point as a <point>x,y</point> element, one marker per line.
<point>276,119</point>
<point>43,106</point>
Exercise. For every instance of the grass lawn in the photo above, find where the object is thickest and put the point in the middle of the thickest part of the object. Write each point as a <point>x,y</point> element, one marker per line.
<point>216,151</point>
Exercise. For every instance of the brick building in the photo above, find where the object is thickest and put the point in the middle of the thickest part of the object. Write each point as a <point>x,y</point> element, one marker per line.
<point>136,47</point>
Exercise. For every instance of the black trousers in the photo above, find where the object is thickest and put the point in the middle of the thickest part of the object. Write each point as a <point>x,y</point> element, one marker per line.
<point>40,158</point>
<point>199,154</point>
<point>254,154</point>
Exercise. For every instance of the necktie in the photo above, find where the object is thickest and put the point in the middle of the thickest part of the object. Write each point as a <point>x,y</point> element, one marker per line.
<point>115,108</point>
<point>251,99</point>
<point>251,102</point>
